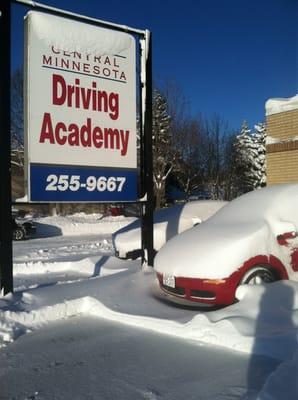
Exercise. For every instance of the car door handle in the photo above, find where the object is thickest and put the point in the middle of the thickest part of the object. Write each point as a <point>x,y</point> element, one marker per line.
<point>284,237</point>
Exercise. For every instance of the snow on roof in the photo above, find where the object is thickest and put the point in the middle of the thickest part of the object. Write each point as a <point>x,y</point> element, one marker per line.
<point>278,105</point>
<point>60,33</point>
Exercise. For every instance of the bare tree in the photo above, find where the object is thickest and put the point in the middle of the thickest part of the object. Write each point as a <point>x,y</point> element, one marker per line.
<point>216,136</point>
<point>203,147</point>
<point>17,119</point>
<point>189,143</point>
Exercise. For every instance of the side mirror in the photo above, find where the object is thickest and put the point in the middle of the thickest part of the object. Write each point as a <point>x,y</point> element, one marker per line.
<point>196,221</point>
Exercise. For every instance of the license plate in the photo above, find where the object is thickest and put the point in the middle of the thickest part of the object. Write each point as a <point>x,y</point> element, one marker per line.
<point>169,280</point>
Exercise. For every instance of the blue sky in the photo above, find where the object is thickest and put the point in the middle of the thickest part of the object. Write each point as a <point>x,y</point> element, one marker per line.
<point>227,56</point>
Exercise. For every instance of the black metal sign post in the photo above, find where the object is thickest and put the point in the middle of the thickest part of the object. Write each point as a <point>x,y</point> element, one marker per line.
<point>6,276</point>
<point>148,208</point>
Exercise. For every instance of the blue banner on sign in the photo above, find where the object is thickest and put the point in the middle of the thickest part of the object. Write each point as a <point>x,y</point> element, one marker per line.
<point>81,184</point>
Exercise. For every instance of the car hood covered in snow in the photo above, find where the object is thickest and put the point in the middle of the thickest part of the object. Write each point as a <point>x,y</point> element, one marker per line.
<point>210,251</point>
<point>245,228</point>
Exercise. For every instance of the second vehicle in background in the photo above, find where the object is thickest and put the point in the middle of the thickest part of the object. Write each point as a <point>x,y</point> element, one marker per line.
<point>22,228</point>
<point>168,222</point>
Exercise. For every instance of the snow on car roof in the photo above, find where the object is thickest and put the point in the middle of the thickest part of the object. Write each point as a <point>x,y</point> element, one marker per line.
<point>265,204</point>
<point>200,208</point>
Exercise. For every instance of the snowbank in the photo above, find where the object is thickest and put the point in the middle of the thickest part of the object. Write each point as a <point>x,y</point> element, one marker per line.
<point>85,267</point>
<point>265,321</point>
<point>80,224</point>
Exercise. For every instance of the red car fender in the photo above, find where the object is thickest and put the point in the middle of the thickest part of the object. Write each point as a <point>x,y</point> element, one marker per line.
<point>225,292</point>
<point>270,261</point>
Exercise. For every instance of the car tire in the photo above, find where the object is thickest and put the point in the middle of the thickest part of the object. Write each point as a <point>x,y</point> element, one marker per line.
<point>18,234</point>
<point>258,275</point>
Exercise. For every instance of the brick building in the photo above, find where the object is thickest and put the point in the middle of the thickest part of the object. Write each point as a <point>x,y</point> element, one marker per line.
<point>282,140</point>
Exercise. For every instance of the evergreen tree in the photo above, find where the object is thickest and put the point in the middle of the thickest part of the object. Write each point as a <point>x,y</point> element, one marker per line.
<point>260,160</point>
<point>163,153</point>
<point>250,149</point>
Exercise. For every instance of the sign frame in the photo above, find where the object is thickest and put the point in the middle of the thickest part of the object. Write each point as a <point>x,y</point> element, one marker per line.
<point>145,80</point>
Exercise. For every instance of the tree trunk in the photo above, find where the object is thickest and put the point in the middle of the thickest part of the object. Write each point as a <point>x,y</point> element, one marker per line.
<point>158,198</point>
<point>53,209</point>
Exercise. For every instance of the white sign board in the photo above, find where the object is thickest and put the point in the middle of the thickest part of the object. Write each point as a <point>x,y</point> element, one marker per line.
<point>81,111</point>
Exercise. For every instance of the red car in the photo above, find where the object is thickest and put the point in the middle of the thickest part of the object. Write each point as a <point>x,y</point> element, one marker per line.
<point>251,240</point>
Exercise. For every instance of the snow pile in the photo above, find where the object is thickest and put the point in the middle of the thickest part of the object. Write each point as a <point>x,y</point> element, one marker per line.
<point>265,321</point>
<point>275,106</point>
<point>85,268</point>
<point>79,224</point>
<point>13,324</point>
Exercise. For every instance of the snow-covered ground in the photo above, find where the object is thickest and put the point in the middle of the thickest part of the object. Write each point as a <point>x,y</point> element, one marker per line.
<point>80,224</point>
<point>77,276</point>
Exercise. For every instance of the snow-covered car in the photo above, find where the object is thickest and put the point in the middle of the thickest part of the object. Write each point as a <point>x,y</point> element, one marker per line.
<point>168,222</point>
<point>252,240</point>
<point>22,228</point>
<point>199,195</point>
